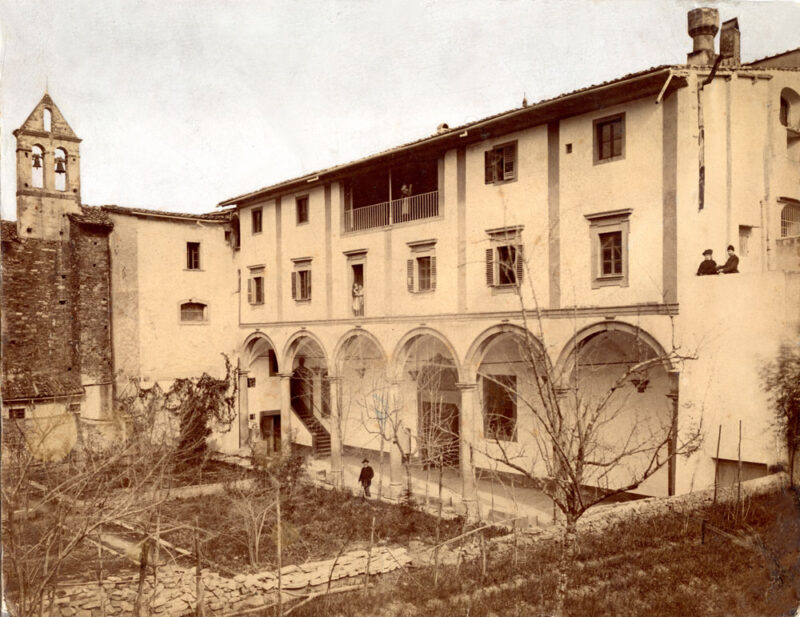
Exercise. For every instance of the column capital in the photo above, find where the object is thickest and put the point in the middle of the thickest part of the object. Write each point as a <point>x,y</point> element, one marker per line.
<point>334,378</point>
<point>466,385</point>
<point>285,375</point>
<point>242,372</point>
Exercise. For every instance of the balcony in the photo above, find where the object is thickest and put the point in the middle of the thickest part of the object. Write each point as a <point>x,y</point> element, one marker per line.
<point>386,213</point>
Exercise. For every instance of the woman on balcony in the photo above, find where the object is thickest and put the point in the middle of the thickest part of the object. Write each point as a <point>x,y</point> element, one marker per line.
<point>358,300</point>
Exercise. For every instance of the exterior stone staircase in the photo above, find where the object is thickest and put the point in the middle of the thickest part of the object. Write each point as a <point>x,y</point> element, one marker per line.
<point>320,438</point>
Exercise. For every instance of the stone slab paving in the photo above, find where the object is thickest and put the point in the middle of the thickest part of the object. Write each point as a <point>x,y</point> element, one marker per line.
<point>174,592</point>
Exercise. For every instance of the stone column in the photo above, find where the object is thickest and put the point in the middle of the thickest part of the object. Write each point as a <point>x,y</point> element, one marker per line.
<point>674,388</point>
<point>393,430</point>
<point>316,392</point>
<point>468,417</point>
<point>286,413</point>
<point>244,411</point>
<point>337,471</point>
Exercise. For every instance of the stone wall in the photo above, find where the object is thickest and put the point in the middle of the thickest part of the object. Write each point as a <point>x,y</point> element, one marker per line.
<point>174,593</point>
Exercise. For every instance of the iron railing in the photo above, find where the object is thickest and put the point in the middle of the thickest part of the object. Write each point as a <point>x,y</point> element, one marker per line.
<point>422,206</point>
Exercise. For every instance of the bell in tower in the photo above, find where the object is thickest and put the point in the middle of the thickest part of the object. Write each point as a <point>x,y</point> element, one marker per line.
<point>48,173</point>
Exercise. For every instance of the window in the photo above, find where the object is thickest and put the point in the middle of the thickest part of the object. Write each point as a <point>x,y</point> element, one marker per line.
<point>256,220</point>
<point>500,407</point>
<point>609,138</point>
<point>504,265</point>
<point>192,255</point>
<point>500,163</point>
<point>608,237</point>
<point>47,120</point>
<point>302,209</point>
<point>790,220</point>
<point>16,413</point>
<point>356,294</point>
<point>784,112</point>
<point>255,285</point>
<point>425,270</point>
<point>193,311</point>
<point>301,280</point>
<point>611,253</point>
<point>421,269</point>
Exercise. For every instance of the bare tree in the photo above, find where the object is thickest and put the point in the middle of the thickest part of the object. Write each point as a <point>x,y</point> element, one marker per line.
<point>781,379</point>
<point>580,441</point>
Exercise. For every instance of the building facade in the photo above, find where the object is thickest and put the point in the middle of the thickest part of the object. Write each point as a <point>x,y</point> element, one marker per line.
<point>404,282</point>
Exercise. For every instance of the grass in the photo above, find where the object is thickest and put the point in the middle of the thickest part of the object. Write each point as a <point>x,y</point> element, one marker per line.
<point>638,567</point>
<point>321,522</point>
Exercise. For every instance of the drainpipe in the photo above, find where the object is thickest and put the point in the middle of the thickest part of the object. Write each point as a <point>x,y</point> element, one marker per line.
<point>701,136</point>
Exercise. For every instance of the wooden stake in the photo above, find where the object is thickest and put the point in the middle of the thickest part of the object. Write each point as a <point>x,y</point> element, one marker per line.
<point>199,610</point>
<point>716,463</point>
<point>739,473</point>
<point>278,544</point>
<point>369,554</point>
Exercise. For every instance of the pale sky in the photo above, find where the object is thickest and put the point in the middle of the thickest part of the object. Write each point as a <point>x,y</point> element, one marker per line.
<point>186,103</point>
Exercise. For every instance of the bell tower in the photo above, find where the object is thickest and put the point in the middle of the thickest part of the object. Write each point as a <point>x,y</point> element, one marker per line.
<point>48,173</point>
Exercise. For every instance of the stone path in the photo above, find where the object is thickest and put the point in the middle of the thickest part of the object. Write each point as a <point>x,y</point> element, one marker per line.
<point>174,593</point>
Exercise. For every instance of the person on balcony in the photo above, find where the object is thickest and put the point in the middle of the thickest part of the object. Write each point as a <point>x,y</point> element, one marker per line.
<point>405,192</point>
<point>708,265</point>
<point>358,300</point>
<point>732,264</point>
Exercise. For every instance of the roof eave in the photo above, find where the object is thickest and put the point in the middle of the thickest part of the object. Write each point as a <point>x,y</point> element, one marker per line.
<point>582,101</point>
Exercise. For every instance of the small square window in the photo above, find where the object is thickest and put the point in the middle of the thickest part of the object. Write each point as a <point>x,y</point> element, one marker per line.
<point>500,164</point>
<point>251,382</point>
<point>256,220</point>
<point>193,311</point>
<point>302,209</point>
<point>609,138</point>
<point>192,255</point>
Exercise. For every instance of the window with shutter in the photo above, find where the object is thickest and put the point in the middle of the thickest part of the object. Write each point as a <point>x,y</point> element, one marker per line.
<point>520,264</point>
<point>433,272</point>
<point>500,163</point>
<point>255,285</point>
<point>410,274</point>
<point>608,236</point>
<point>294,285</point>
<point>301,280</point>
<point>490,267</point>
<point>424,271</point>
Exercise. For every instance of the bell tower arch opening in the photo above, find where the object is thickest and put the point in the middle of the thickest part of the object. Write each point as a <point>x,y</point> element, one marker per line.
<point>48,173</point>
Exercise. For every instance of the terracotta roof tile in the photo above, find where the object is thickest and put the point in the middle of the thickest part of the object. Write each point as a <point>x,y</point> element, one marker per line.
<point>92,216</point>
<point>220,215</point>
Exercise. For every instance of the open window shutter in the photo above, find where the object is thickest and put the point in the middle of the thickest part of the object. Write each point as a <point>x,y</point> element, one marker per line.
<point>250,291</point>
<point>490,267</point>
<point>509,162</point>
<point>520,264</point>
<point>433,272</point>
<point>294,285</point>
<point>410,274</point>
<point>488,164</point>
<point>309,284</point>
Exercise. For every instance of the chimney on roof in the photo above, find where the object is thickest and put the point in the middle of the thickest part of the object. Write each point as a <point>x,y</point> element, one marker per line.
<point>703,27</point>
<point>729,43</point>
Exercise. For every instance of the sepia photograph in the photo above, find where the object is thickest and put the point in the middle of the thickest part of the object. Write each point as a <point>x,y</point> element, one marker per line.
<point>434,308</point>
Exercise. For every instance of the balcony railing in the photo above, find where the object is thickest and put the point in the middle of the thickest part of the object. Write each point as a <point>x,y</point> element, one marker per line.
<point>423,206</point>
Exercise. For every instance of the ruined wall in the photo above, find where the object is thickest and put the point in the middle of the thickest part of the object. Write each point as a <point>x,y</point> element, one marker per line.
<point>39,341</point>
<point>55,315</point>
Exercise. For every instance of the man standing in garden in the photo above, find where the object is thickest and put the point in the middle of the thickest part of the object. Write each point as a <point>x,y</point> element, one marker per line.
<point>365,477</point>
